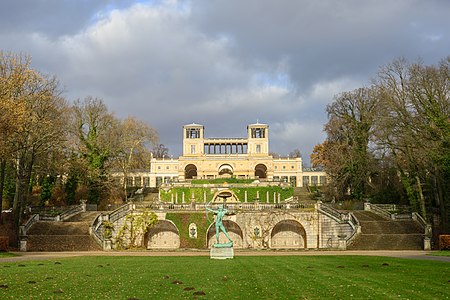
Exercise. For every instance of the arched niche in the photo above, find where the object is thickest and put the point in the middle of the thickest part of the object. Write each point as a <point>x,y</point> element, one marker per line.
<point>164,235</point>
<point>233,230</point>
<point>288,234</point>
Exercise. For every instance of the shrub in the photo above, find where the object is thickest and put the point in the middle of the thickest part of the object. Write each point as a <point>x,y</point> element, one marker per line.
<point>444,242</point>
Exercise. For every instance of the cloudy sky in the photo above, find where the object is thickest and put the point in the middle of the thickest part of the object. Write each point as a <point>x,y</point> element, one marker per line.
<point>222,63</point>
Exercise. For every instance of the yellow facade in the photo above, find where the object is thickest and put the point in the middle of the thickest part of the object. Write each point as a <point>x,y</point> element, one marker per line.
<point>208,158</point>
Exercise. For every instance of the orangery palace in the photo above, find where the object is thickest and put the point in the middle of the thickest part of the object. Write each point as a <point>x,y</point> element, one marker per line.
<point>241,157</point>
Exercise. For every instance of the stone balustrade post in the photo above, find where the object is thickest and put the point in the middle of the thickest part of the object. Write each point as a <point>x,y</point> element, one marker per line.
<point>107,245</point>
<point>83,205</point>
<point>427,244</point>
<point>342,244</point>
<point>23,245</point>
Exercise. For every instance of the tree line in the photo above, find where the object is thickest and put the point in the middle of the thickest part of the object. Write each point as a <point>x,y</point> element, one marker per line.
<point>389,142</point>
<point>53,152</point>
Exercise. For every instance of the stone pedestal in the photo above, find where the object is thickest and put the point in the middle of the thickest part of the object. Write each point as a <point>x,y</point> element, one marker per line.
<point>221,253</point>
<point>23,245</point>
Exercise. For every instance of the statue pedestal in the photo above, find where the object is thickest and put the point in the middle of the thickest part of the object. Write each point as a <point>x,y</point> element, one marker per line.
<point>221,253</point>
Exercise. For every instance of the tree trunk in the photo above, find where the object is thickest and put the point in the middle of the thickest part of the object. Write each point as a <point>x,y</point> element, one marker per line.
<point>29,171</point>
<point>423,210</point>
<point>18,195</point>
<point>2,184</point>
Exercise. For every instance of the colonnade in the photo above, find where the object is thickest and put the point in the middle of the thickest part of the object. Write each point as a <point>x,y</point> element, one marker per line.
<point>225,148</point>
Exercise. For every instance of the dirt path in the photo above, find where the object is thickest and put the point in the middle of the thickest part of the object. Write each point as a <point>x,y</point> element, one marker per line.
<point>24,256</point>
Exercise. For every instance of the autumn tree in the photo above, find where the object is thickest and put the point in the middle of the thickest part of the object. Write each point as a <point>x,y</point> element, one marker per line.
<point>318,156</point>
<point>36,123</point>
<point>13,71</point>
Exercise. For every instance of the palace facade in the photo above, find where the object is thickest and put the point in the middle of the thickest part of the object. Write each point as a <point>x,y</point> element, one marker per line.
<point>209,158</point>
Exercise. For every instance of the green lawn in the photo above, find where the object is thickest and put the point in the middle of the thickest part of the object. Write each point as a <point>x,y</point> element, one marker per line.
<point>6,254</point>
<point>276,277</point>
<point>441,253</point>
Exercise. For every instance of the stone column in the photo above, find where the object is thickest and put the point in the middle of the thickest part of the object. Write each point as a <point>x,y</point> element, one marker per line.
<point>267,197</point>
<point>182,197</point>
<point>245,196</point>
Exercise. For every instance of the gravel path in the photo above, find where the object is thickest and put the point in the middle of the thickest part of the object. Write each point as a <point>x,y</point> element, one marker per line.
<point>24,256</point>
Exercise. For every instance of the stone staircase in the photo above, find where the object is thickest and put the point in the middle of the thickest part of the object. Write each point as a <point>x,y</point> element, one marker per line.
<point>379,233</point>
<point>70,235</point>
<point>302,194</point>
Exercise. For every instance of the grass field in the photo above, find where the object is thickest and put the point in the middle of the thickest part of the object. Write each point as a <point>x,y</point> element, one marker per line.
<point>441,253</point>
<point>6,254</point>
<point>269,277</point>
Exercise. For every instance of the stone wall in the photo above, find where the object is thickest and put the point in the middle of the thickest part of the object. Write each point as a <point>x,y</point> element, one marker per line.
<point>273,229</point>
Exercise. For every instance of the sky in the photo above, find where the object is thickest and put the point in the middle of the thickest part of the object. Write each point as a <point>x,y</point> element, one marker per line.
<point>221,63</point>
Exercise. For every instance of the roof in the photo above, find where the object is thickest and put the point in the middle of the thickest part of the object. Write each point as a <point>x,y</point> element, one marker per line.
<point>193,125</point>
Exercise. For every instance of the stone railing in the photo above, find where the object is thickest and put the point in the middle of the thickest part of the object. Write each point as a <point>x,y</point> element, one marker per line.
<point>71,212</point>
<point>23,229</point>
<point>341,218</point>
<point>57,214</point>
<point>96,229</point>
<point>167,186</point>
<point>330,212</point>
<point>255,206</point>
<point>390,211</point>
<point>379,210</point>
<point>354,223</point>
<point>428,232</point>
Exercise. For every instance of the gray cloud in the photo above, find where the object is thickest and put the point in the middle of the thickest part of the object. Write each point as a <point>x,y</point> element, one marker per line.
<point>224,64</point>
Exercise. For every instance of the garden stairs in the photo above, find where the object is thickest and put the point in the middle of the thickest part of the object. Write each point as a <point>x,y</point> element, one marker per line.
<point>70,235</point>
<point>379,233</point>
<point>302,194</point>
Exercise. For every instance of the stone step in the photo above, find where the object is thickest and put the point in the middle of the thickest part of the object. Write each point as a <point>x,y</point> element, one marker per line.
<point>88,216</point>
<point>57,243</point>
<point>302,194</point>
<point>368,216</point>
<point>387,242</point>
<point>391,227</point>
<point>59,228</point>
<point>151,197</point>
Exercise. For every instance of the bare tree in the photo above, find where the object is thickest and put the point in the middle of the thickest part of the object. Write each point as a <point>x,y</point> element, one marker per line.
<point>94,130</point>
<point>414,128</point>
<point>160,151</point>
<point>133,146</point>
